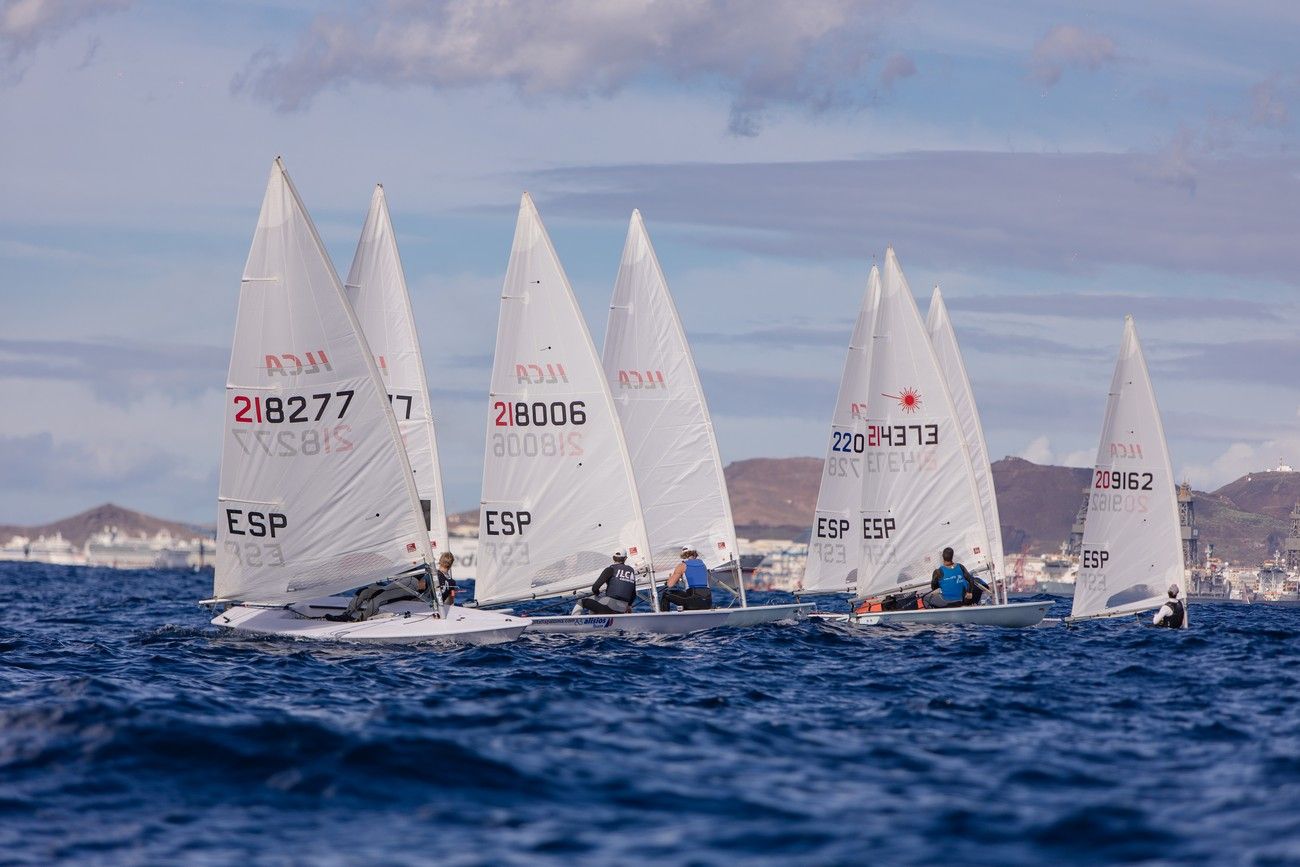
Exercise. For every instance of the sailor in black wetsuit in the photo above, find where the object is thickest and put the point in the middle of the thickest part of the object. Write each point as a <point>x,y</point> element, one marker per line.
<point>1172,615</point>
<point>615,589</point>
<point>444,579</point>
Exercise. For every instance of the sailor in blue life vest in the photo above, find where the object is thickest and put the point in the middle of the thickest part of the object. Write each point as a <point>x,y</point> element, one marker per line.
<point>1172,615</point>
<point>695,595</point>
<point>952,585</point>
<point>614,591</point>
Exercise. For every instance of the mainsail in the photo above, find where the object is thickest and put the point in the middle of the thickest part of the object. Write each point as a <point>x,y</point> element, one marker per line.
<point>316,494</point>
<point>918,493</point>
<point>377,289</point>
<point>665,419</point>
<point>1132,546</point>
<point>944,340</point>
<point>558,492</point>
<point>833,549</point>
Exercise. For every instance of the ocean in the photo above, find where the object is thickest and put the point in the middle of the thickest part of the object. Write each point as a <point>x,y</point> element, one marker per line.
<point>132,732</point>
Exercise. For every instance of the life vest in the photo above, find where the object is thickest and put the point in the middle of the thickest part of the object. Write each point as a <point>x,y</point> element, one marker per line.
<point>953,585</point>
<point>622,584</point>
<point>1175,619</point>
<point>697,574</point>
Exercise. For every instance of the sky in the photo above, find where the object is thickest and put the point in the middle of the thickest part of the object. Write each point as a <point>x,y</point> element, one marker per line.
<point>1053,166</point>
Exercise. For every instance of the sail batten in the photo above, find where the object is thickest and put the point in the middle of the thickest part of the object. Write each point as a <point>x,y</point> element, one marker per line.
<point>376,287</point>
<point>307,429</point>
<point>558,492</point>
<point>664,415</point>
<point>1132,544</point>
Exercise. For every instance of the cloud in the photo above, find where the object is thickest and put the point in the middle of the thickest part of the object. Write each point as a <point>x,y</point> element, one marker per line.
<point>25,24</point>
<point>810,54</point>
<point>119,370</point>
<point>1066,46</point>
<point>1271,361</point>
<point>1241,458</point>
<point>1268,107</point>
<point>1109,305</point>
<point>896,68</point>
<point>1057,212</point>
<point>1039,451</point>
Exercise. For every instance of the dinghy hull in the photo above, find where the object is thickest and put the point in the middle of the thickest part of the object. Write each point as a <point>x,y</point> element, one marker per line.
<point>1016,615</point>
<point>668,622</point>
<point>398,623</point>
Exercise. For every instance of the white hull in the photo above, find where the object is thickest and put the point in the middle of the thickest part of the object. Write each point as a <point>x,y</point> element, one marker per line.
<point>1013,615</point>
<point>397,623</point>
<point>1057,588</point>
<point>668,622</point>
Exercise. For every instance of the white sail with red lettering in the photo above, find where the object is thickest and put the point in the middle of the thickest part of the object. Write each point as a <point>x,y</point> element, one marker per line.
<point>1132,541</point>
<point>316,494</point>
<point>944,339</point>
<point>377,289</point>
<point>832,563</point>
<point>558,491</point>
<point>918,493</point>
<point>665,417</point>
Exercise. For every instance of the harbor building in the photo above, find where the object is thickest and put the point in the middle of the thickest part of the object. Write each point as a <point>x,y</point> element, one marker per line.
<point>1187,524</point>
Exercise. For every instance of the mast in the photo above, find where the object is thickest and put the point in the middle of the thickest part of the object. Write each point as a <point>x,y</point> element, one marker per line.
<point>918,492</point>
<point>1132,541</point>
<point>944,338</point>
<point>559,496</point>
<point>316,494</point>
<point>377,289</point>
<point>664,415</point>
<point>834,542</point>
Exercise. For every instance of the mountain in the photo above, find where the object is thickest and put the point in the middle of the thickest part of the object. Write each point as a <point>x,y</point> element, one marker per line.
<point>1246,520</point>
<point>80,527</point>
<point>1037,503</point>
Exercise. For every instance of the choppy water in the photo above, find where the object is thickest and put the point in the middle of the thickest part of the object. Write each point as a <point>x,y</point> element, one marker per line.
<point>131,731</point>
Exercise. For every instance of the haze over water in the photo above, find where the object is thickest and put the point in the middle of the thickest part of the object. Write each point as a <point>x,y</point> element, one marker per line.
<point>132,731</point>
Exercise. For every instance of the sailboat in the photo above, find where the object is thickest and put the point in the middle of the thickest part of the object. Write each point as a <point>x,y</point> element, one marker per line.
<point>944,340</point>
<point>376,288</point>
<point>919,490</point>
<point>316,493</point>
<point>1132,546</point>
<point>833,547</point>
<point>559,493</point>
<point>666,425</point>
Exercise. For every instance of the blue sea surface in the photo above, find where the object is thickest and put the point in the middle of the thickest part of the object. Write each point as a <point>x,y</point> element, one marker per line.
<point>132,731</point>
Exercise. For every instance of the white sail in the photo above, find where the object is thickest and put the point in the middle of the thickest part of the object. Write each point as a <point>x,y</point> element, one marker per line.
<point>1132,546</point>
<point>316,494</point>
<point>377,289</point>
<point>944,340</point>
<point>665,419</point>
<point>918,494</point>
<point>833,548</point>
<point>558,492</point>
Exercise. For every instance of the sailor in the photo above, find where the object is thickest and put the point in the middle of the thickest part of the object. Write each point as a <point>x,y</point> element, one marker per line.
<point>367,602</point>
<point>1172,614</point>
<point>614,591</point>
<point>696,595</point>
<point>952,585</point>
<point>444,579</point>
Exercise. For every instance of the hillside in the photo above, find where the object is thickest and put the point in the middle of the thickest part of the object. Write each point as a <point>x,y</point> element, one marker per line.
<point>1246,520</point>
<point>1037,503</point>
<point>79,527</point>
